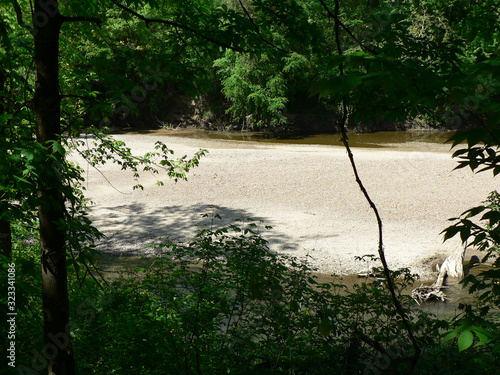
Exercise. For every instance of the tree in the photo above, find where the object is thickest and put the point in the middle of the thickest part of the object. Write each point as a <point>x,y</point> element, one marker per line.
<point>57,195</point>
<point>479,226</point>
<point>5,229</point>
<point>54,178</point>
<point>51,209</point>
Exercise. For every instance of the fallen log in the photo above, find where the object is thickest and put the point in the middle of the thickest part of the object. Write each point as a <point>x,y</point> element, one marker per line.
<point>452,267</point>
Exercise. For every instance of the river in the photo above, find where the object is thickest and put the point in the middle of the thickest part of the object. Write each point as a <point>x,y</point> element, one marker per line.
<point>393,139</point>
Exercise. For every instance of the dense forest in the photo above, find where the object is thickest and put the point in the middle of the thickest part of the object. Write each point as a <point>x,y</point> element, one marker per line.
<point>231,64</point>
<point>74,68</point>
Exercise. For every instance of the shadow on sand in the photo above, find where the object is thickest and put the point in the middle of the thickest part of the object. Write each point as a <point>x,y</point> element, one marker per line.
<point>132,229</point>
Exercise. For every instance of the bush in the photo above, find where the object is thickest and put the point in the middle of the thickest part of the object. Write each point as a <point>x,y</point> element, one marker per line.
<point>225,303</point>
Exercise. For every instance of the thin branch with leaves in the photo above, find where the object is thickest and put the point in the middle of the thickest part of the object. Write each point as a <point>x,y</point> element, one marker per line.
<point>345,142</point>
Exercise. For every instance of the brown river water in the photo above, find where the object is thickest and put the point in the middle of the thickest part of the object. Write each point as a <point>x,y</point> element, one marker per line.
<point>365,140</point>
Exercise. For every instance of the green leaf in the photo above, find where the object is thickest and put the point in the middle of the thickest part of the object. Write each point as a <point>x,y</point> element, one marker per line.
<point>450,335</point>
<point>337,85</point>
<point>58,148</point>
<point>483,338</point>
<point>465,340</point>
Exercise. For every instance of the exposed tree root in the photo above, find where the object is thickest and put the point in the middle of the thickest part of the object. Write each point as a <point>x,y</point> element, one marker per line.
<point>452,267</point>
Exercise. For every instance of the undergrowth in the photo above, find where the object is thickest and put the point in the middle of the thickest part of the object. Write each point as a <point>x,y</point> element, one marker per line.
<point>226,304</point>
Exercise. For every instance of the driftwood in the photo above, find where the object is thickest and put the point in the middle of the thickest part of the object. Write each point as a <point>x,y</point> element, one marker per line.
<point>452,267</point>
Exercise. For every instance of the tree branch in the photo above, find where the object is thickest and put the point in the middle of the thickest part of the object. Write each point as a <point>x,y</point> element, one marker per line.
<point>277,15</point>
<point>257,29</point>
<point>23,105</point>
<point>371,342</point>
<point>84,156</point>
<point>149,21</point>
<point>344,139</point>
<point>187,44</point>
<point>19,16</point>
<point>364,47</point>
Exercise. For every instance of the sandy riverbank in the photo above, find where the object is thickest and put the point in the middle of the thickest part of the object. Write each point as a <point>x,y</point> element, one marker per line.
<point>307,193</point>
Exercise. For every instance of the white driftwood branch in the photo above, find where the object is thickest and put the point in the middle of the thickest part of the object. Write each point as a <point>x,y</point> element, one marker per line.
<point>452,267</point>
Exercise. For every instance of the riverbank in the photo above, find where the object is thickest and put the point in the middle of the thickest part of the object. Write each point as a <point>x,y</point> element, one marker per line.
<point>307,193</point>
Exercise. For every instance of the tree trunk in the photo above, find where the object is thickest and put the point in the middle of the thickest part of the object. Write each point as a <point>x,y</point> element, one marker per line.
<point>58,349</point>
<point>453,266</point>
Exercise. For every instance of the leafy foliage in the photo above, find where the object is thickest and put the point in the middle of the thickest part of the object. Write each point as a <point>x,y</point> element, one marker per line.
<point>402,59</point>
<point>225,303</point>
<point>106,149</point>
<point>479,227</point>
